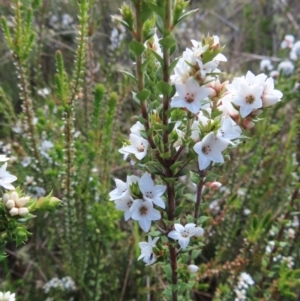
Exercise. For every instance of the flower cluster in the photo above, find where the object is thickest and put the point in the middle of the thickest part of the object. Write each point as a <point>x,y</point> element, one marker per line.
<point>137,198</point>
<point>64,284</point>
<point>15,204</point>
<point>244,281</point>
<point>286,67</point>
<point>7,296</point>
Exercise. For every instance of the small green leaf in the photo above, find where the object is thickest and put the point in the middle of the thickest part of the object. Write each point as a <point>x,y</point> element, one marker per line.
<point>172,66</point>
<point>157,9</point>
<point>184,16</point>
<point>202,219</point>
<point>143,95</point>
<point>164,88</point>
<point>167,42</point>
<point>130,75</point>
<point>136,48</point>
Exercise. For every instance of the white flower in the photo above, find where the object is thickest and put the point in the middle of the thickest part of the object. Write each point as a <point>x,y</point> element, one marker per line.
<point>288,41</point>
<point>244,280</point>
<point>182,72</point>
<point>270,95</point>
<point>183,234</point>
<point>248,97</point>
<point>137,128</point>
<point>190,95</point>
<point>193,268</point>
<point>3,158</point>
<point>138,147</point>
<point>147,250</point>
<point>125,205</point>
<point>287,67</point>
<point>240,295</point>
<point>209,149</point>
<point>152,192</point>
<point>229,130</point>
<point>144,213</point>
<point>266,64</point>
<point>295,52</point>
<point>6,178</point>
<point>291,233</point>
<point>7,296</point>
<point>121,192</point>
<point>154,45</point>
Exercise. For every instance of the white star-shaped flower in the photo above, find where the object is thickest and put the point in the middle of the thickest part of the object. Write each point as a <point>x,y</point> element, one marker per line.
<point>210,149</point>
<point>6,178</point>
<point>147,250</point>
<point>229,130</point>
<point>120,192</point>
<point>138,147</point>
<point>144,213</point>
<point>190,95</point>
<point>270,95</point>
<point>7,296</point>
<point>248,97</point>
<point>152,192</point>
<point>184,233</point>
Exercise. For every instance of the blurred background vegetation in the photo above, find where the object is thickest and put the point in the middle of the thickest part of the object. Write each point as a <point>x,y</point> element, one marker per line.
<point>260,176</point>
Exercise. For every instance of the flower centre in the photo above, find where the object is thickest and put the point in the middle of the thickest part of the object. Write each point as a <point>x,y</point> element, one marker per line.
<point>185,234</point>
<point>129,203</point>
<point>189,98</point>
<point>206,149</point>
<point>143,210</point>
<point>250,99</point>
<point>149,194</point>
<point>140,148</point>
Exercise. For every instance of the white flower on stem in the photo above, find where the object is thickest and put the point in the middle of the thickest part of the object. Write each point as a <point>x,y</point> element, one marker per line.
<point>229,130</point>
<point>295,52</point>
<point>6,178</point>
<point>152,192</point>
<point>266,64</point>
<point>120,192</point>
<point>193,268</point>
<point>210,149</point>
<point>137,128</point>
<point>270,95</point>
<point>248,97</point>
<point>7,296</point>
<point>147,253</point>
<point>125,204</point>
<point>190,95</point>
<point>288,41</point>
<point>138,147</point>
<point>287,67</point>
<point>244,280</point>
<point>144,213</point>
<point>182,72</point>
<point>240,295</point>
<point>184,233</point>
<point>3,158</point>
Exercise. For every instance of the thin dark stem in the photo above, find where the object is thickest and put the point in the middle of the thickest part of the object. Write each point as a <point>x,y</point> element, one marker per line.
<point>199,195</point>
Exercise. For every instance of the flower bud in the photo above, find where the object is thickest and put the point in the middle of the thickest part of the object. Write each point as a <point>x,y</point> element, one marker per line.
<point>5,197</point>
<point>248,124</point>
<point>199,232</point>
<point>10,204</point>
<point>256,112</point>
<point>213,185</point>
<point>14,211</point>
<point>193,268</point>
<point>21,202</point>
<point>23,211</point>
<point>14,196</point>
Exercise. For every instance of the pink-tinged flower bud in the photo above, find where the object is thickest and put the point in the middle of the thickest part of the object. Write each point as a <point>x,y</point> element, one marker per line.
<point>14,196</point>
<point>248,124</point>
<point>213,185</point>
<point>10,204</point>
<point>14,211</point>
<point>5,197</point>
<point>193,268</point>
<point>21,202</point>
<point>23,211</point>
